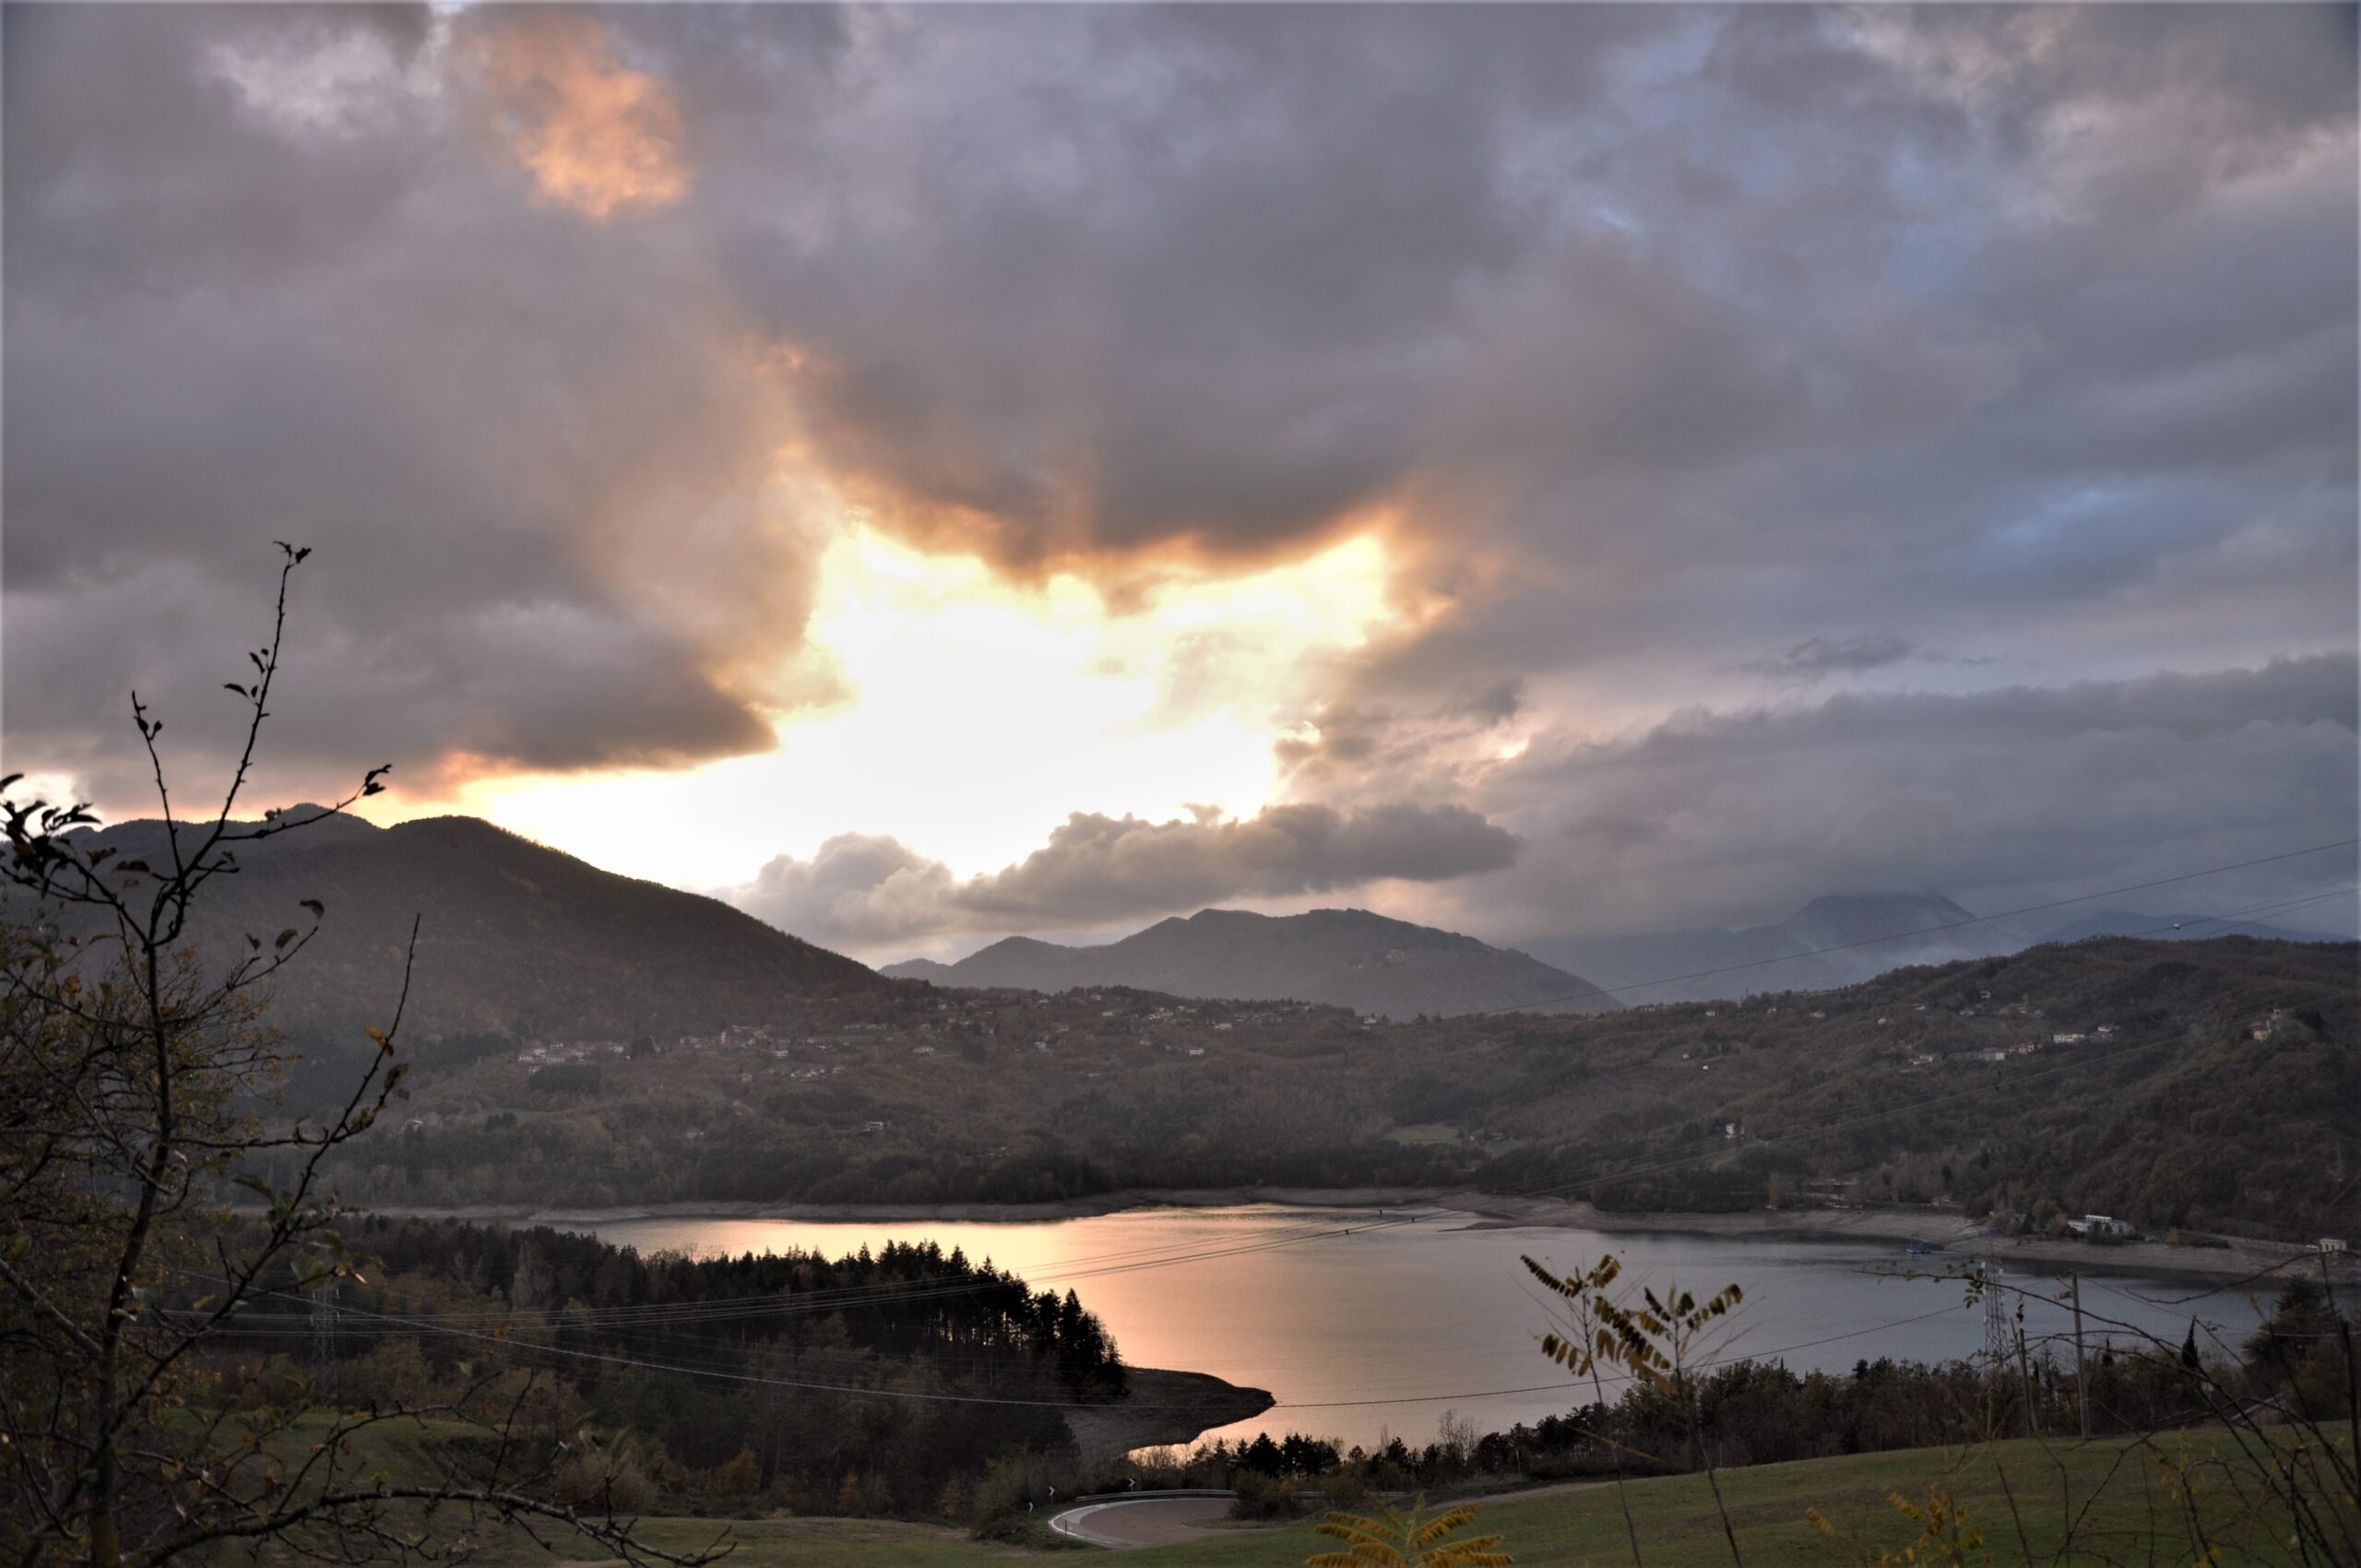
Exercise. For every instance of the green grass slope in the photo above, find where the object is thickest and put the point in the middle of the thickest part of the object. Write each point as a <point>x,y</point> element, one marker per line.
<point>2026,1498</point>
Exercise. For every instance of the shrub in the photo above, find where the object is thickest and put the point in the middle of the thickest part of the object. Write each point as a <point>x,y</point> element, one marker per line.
<point>1264,1497</point>
<point>610,1477</point>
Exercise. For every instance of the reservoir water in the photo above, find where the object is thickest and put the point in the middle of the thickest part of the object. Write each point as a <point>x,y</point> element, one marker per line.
<point>1359,1326</point>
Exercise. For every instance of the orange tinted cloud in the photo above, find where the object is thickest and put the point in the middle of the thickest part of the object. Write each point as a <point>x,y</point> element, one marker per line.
<point>596,134</point>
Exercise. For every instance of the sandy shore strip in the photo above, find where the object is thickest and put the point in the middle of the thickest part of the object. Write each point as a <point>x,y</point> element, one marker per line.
<point>1947,1230</point>
<point>1899,1226</point>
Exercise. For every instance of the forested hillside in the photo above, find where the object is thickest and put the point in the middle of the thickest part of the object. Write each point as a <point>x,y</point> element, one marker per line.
<point>889,1358</point>
<point>2209,1083</point>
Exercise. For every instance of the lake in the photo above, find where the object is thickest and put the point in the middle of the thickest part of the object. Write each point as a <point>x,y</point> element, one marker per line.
<point>1360,1325</point>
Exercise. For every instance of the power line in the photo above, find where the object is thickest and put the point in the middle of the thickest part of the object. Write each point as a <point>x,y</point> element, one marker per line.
<point>1732,1359</point>
<point>514,1347</point>
<point>1120,1262</point>
<point>1114,1262</point>
<point>2260,1274</point>
<point>815,1301</point>
<point>646,1316</point>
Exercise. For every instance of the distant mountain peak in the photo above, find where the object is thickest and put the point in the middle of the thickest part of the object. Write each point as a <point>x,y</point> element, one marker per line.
<point>1350,958</point>
<point>513,935</point>
<point>1834,940</point>
<point>1854,904</point>
<point>1839,917</point>
<point>1022,945</point>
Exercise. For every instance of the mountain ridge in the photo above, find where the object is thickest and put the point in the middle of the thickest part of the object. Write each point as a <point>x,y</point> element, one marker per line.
<point>1347,957</point>
<point>513,937</point>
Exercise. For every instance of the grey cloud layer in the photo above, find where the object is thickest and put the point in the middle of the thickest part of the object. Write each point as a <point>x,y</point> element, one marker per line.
<point>536,464</point>
<point>2000,797</point>
<point>862,890</point>
<point>1996,796</point>
<point>1659,337</point>
<point>1816,658</point>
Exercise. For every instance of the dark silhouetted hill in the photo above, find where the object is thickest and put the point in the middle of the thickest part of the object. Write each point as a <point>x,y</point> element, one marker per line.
<point>1345,958</point>
<point>513,938</point>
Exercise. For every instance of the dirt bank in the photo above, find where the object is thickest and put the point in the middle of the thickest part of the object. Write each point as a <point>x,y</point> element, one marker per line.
<point>1162,1408</point>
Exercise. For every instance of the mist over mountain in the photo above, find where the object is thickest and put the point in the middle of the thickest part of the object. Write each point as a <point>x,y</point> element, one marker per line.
<point>513,937</point>
<point>1345,957</point>
<point>1706,962</point>
<point>1844,939</point>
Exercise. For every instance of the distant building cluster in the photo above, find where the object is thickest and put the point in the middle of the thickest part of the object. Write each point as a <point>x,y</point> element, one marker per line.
<point>555,1051</point>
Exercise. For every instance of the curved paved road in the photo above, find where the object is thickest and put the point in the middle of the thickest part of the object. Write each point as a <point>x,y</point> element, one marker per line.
<point>1140,1521</point>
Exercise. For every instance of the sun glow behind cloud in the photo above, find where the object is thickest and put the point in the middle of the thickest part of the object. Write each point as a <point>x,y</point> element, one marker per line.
<point>977,713</point>
<point>596,135</point>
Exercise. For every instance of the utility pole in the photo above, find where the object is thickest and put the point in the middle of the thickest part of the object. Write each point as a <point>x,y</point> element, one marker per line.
<point>2025,1371</point>
<point>2344,1337</point>
<point>2081,1388</point>
<point>1996,1344</point>
<point>323,1332</point>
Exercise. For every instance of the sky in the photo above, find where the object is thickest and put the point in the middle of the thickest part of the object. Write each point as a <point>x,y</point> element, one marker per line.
<point>931,474</point>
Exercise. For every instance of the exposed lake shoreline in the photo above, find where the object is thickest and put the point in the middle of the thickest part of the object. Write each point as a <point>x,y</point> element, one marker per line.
<point>1163,1409</point>
<point>1901,1225</point>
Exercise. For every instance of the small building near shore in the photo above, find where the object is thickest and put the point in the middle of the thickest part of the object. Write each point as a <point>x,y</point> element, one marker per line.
<point>2099,1224</point>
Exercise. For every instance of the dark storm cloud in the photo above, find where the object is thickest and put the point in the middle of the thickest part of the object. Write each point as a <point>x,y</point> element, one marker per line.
<point>1122,278</point>
<point>2032,330</point>
<point>266,278</point>
<point>860,889</point>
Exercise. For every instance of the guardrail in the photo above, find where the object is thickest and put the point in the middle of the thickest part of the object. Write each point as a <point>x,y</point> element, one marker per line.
<point>1148,1491</point>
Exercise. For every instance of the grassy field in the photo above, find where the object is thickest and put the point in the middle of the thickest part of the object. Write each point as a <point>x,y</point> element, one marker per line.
<point>791,1543</point>
<point>2120,1508</point>
<point>2114,1498</point>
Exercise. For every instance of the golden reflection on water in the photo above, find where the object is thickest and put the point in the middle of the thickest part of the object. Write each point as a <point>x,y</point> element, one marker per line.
<point>1360,1325</point>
